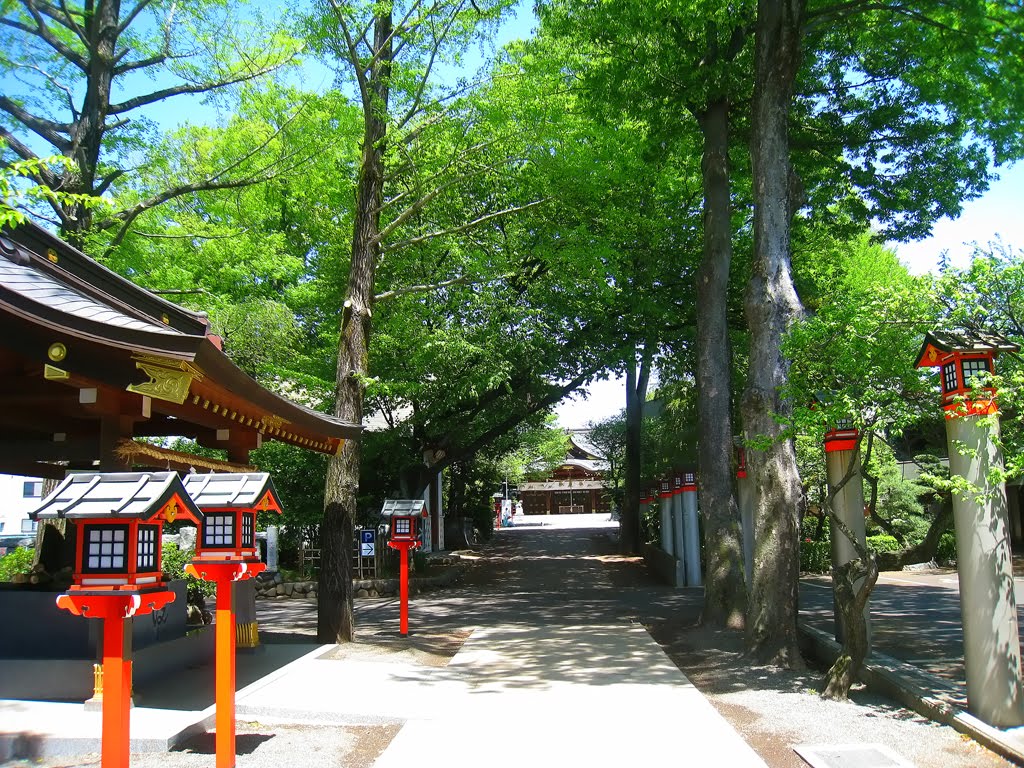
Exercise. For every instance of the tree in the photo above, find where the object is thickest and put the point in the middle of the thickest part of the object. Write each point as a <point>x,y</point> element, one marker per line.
<point>389,53</point>
<point>852,362</point>
<point>75,72</point>
<point>701,69</point>
<point>771,306</point>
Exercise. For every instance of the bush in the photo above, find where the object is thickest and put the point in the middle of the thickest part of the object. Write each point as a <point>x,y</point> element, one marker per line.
<point>815,556</point>
<point>174,562</point>
<point>882,543</point>
<point>946,551</point>
<point>16,561</point>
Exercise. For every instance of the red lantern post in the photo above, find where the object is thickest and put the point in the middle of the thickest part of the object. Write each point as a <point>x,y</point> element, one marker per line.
<point>226,552</point>
<point>118,518</point>
<point>404,515</point>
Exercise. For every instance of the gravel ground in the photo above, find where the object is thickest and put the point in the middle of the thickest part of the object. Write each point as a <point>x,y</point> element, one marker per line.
<point>260,745</point>
<point>775,709</point>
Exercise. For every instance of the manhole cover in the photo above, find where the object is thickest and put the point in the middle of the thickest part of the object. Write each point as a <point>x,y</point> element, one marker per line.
<point>850,756</point>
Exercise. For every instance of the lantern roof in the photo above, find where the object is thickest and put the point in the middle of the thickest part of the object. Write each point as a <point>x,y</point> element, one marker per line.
<point>246,490</point>
<point>97,495</point>
<point>402,507</point>
<point>938,344</point>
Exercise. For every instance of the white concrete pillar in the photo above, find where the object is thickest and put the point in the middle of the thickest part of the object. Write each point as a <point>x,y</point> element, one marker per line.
<point>988,609</point>
<point>678,531</point>
<point>987,605</point>
<point>667,541</point>
<point>438,510</point>
<point>841,447</point>
<point>691,528</point>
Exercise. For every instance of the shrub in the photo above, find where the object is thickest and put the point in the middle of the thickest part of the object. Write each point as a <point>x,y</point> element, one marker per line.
<point>815,556</point>
<point>174,562</point>
<point>883,543</point>
<point>946,551</point>
<point>19,560</point>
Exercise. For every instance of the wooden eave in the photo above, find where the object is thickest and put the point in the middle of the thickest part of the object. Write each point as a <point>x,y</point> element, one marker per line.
<point>213,394</point>
<point>51,255</point>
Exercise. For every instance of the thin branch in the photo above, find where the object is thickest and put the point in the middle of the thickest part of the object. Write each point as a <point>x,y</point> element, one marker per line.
<point>139,8</point>
<point>185,88</point>
<point>463,227</point>
<point>43,33</point>
<point>464,280</point>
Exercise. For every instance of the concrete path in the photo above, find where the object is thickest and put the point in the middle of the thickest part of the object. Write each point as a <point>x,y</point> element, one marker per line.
<point>557,669</point>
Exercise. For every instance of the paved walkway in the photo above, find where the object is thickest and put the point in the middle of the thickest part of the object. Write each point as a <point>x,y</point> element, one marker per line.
<point>556,667</point>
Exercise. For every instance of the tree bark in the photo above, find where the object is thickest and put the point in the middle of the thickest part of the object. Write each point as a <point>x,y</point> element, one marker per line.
<point>636,394</point>
<point>725,591</point>
<point>334,594</point>
<point>771,306</point>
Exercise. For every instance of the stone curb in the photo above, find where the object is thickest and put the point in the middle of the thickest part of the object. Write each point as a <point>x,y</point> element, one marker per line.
<point>914,689</point>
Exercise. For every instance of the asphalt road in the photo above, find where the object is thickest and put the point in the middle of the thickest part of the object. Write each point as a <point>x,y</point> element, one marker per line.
<point>915,617</point>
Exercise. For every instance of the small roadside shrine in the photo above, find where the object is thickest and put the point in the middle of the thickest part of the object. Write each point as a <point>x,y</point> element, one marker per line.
<point>404,518</point>
<point>119,519</point>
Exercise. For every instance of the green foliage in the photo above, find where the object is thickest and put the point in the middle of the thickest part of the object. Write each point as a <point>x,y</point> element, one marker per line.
<point>21,192</point>
<point>815,556</point>
<point>946,551</point>
<point>17,561</point>
<point>173,562</point>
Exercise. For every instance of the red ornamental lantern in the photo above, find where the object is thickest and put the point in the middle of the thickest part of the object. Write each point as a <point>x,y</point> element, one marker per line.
<point>404,516</point>
<point>741,463</point>
<point>843,437</point>
<point>962,357</point>
<point>118,520</point>
<point>225,553</point>
<point>666,489</point>
<point>689,481</point>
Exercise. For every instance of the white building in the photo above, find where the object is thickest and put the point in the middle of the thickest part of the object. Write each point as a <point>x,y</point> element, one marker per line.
<point>18,496</point>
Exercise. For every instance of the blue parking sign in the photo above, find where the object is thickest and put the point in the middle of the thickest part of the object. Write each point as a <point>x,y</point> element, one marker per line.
<point>366,544</point>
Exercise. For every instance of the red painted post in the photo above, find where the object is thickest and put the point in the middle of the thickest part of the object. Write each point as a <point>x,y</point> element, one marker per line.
<point>403,591</point>
<point>225,665</point>
<point>117,691</point>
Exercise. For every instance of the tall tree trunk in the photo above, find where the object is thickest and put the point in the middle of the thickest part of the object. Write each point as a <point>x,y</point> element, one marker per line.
<point>771,306</point>
<point>334,588</point>
<point>101,28</point>
<point>725,591</point>
<point>636,395</point>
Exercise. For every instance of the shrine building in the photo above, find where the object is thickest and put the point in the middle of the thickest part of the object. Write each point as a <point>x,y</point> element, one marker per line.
<point>576,486</point>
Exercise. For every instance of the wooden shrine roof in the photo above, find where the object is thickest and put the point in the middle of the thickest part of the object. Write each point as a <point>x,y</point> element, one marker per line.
<point>87,359</point>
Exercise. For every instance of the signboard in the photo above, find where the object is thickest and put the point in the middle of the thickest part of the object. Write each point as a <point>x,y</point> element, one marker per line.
<point>563,485</point>
<point>367,548</point>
